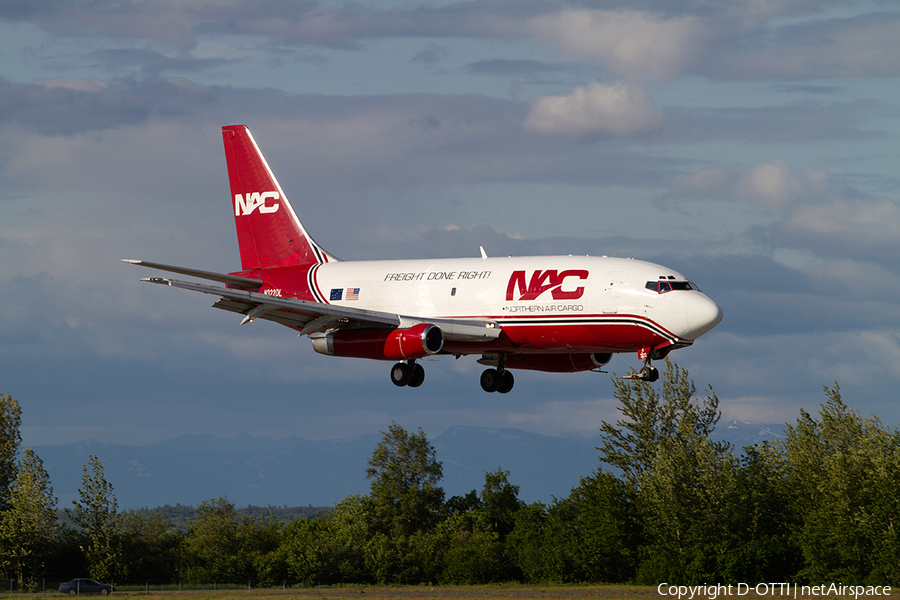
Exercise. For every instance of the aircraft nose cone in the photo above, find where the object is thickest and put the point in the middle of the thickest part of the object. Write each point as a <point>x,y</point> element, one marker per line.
<point>702,315</point>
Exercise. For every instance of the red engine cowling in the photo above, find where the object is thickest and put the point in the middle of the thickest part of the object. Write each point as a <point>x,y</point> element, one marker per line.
<point>383,344</point>
<point>557,363</point>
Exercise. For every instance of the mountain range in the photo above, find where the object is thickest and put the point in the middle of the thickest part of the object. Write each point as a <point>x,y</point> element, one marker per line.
<point>293,471</point>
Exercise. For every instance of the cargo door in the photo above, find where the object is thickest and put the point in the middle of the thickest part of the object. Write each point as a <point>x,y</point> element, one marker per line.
<point>611,286</point>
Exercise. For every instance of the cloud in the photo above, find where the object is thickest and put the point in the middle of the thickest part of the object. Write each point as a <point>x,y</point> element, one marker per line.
<point>860,228</point>
<point>797,122</point>
<point>166,22</point>
<point>813,211</point>
<point>595,110</point>
<point>632,43</point>
<point>772,185</point>
<point>497,66</point>
<point>840,47</point>
<point>734,41</point>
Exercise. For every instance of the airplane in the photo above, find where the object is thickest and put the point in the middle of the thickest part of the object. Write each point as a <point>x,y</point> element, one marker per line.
<point>558,314</point>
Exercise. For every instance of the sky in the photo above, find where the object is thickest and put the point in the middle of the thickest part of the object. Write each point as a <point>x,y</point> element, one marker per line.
<point>751,145</point>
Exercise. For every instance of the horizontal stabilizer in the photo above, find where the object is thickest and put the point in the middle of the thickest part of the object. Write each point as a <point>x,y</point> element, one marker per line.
<point>243,282</point>
<point>306,308</point>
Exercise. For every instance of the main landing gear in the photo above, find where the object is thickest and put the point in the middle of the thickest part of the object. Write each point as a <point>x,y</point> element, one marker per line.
<point>408,373</point>
<point>499,379</point>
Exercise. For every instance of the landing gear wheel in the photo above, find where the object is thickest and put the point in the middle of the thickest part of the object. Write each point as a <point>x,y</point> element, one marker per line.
<point>417,375</point>
<point>401,374</point>
<point>491,380</point>
<point>507,382</point>
<point>649,374</point>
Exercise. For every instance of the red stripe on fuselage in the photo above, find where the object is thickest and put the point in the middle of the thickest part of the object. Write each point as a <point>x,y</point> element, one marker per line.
<point>588,333</point>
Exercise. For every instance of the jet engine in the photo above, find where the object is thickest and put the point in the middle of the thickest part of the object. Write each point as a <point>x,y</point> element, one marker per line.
<point>551,363</point>
<point>383,344</point>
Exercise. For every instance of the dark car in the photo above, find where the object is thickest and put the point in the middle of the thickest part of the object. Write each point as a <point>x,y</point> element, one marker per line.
<point>85,586</point>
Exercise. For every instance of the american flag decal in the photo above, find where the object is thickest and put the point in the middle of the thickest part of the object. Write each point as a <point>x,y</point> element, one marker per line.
<point>352,293</point>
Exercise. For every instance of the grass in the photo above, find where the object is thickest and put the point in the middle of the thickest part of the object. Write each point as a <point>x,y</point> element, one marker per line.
<point>475,592</point>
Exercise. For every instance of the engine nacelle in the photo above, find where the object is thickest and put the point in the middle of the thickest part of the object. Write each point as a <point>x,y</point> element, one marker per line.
<point>383,344</point>
<point>551,363</point>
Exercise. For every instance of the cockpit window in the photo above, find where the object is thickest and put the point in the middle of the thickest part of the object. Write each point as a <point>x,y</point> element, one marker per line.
<point>664,285</point>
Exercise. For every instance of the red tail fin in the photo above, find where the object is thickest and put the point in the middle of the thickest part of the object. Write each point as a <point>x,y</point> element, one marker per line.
<point>269,232</point>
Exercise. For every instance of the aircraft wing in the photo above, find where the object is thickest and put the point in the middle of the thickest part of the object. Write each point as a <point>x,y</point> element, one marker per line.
<point>311,317</point>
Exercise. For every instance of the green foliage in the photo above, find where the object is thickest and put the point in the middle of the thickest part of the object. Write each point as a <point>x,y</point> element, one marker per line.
<point>301,556</point>
<point>473,552</point>
<point>405,472</point>
<point>533,546</point>
<point>600,529</point>
<point>684,499</point>
<point>150,544</point>
<point>820,505</point>
<point>28,527</point>
<point>760,523</point>
<point>181,515</point>
<point>97,515</point>
<point>349,528</point>
<point>10,438</point>
<point>500,501</point>
<point>655,419</point>
<point>222,546</point>
<point>841,473</point>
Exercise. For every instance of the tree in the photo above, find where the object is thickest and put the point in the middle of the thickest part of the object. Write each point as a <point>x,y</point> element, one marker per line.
<point>682,481</point>
<point>97,516</point>
<point>500,500</point>
<point>150,545</point>
<point>223,546</point>
<point>686,499</point>
<point>405,472</point>
<point>211,550</point>
<point>841,472</point>
<point>654,419</point>
<point>597,530</point>
<point>10,438</point>
<point>28,526</point>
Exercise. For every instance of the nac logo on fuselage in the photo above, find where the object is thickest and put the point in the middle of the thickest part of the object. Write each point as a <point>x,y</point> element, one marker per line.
<point>245,204</point>
<point>543,281</point>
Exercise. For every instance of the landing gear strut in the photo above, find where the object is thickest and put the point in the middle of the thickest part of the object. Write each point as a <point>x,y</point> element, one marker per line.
<point>648,372</point>
<point>410,374</point>
<point>499,379</point>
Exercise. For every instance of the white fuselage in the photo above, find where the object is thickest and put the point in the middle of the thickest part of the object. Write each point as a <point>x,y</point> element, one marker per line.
<point>590,303</point>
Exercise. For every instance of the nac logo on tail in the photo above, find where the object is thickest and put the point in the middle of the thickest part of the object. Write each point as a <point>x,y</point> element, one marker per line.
<point>543,281</point>
<point>245,204</point>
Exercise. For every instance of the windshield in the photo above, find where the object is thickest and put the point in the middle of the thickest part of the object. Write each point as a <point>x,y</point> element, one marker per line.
<point>668,285</point>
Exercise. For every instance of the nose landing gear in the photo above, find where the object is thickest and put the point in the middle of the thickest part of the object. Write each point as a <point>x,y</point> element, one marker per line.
<point>648,372</point>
